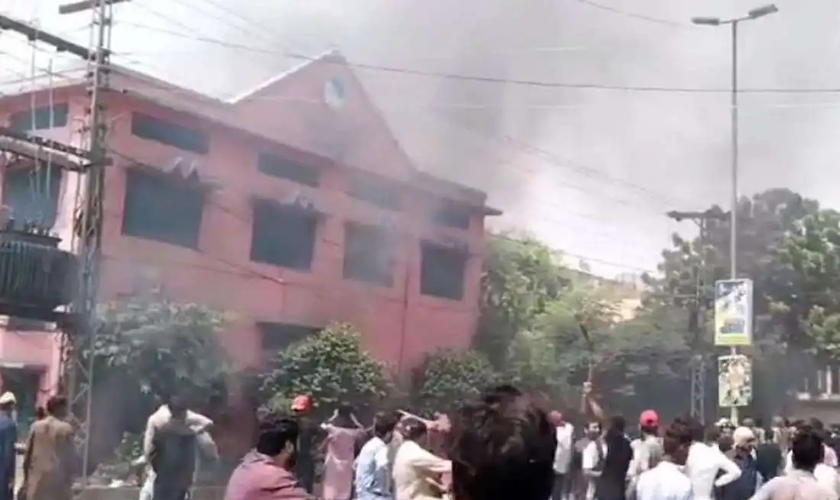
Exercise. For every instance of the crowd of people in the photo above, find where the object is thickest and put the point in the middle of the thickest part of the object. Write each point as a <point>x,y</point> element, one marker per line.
<point>502,446</point>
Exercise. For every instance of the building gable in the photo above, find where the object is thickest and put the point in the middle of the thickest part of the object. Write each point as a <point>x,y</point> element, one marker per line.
<point>322,107</point>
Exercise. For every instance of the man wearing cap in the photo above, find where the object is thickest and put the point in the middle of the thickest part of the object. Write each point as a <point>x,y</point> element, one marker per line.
<point>8,440</point>
<point>647,450</point>
<point>305,465</point>
<point>742,453</point>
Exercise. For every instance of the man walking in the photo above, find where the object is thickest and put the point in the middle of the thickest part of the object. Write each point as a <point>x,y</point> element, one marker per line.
<point>48,464</point>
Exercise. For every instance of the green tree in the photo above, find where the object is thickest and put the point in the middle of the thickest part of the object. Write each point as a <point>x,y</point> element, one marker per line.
<point>332,367</point>
<point>587,333</point>
<point>446,377</point>
<point>520,278</point>
<point>808,305</point>
<point>145,347</point>
<point>764,220</point>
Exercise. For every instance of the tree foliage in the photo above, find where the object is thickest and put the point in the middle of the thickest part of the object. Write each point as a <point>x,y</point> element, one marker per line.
<point>520,278</point>
<point>332,367</point>
<point>447,377</point>
<point>809,304</point>
<point>782,248</point>
<point>149,346</point>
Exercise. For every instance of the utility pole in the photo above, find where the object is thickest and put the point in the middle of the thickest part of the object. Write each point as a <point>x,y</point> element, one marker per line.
<point>90,219</point>
<point>758,12</point>
<point>696,314</point>
<point>76,371</point>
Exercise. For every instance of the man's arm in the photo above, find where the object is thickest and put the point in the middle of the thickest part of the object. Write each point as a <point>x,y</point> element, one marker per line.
<point>149,436</point>
<point>730,469</point>
<point>422,459</point>
<point>767,489</point>
<point>198,422</point>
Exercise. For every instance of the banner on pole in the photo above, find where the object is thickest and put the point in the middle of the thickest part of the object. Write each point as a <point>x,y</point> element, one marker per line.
<point>733,313</point>
<point>734,381</point>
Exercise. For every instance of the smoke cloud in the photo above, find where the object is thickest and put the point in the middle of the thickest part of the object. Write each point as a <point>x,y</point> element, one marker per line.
<point>608,163</point>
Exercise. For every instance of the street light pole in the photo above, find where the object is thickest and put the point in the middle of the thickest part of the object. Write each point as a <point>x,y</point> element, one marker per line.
<point>733,212</point>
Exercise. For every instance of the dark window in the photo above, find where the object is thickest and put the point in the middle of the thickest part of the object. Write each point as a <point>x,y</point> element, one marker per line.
<point>442,272</point>
<point>171,134</point>
<point>45,117</point>
<point>279,336</point>
<point>368,254</point>
<point>162,209</point>
<point>276,166</point>
<point>452,216</point>
<point>283,236</point>
<point>376,192</point>
<point>32,195</point>
<point>26,325</point>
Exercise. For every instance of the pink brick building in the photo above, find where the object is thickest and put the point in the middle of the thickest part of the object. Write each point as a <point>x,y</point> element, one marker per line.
<point>291,206</point>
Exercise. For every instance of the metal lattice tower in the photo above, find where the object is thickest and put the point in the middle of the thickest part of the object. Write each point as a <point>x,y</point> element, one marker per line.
<point>78,368</point>
<point>697,311</point>
<point>698,387</point>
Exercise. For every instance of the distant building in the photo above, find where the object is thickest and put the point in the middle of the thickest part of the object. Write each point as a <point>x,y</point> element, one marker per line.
<point>629,295</point>
<point>291,206</point>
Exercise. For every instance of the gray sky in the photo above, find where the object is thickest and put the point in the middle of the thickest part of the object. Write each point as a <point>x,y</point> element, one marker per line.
<point>589,171</point>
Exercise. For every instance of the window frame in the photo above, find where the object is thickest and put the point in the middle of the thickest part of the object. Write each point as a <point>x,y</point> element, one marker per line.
<point>432,246</point>
<point>142,123</point>
<point>385,277</point>
<point>297,331</point>
<point>58,118</point>
<point>369,189</point>
<point>181,186</point>
<point>447,214</point>
<point>261,205</point>
<point>280,167</point>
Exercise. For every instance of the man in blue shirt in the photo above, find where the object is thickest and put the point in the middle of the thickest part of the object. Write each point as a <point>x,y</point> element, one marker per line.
<point>372,471</point>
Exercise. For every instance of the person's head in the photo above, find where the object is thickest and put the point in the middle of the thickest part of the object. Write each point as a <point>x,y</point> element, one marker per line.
<point>816,424</point>
<point>177,405</point>
<point>414,430</point>
<point>617,425</point>
<point>649,423</point>
<point>593,429</point>
<point>556,418</point>
<point>743,439</point>
<point>748,422</point>
<point>301,405</point>
<point>695,429</point>
<point>344,416</point>
<point>712,435</point>
<point>384,424</point>
<point>8,402</point>
<point>807,449</point>
<point>57,406</point>
<point>725,442</point>
<point>502,450</point>
<point>277,439</point>
<point>676,442</point>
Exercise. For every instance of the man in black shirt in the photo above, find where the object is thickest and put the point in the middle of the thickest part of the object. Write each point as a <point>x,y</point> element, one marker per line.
<point>612,483</point>
<point>305,466</point>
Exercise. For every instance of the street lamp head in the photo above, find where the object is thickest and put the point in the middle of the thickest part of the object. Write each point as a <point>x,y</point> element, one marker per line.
<point>765,10</point>
<point>706,21</point>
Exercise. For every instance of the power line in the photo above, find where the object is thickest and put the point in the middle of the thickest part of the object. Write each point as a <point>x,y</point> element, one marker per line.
<point>246,220</point>
<point>634,15</point>
<point>487,79</point>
